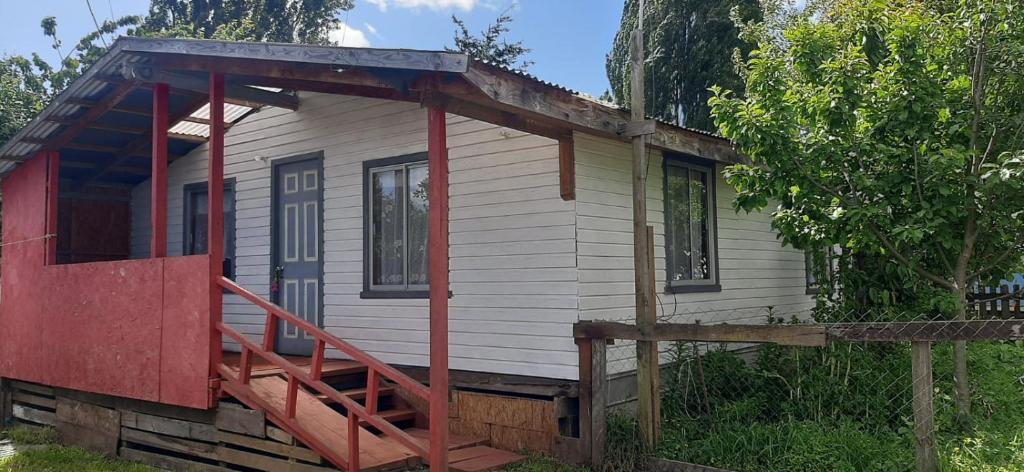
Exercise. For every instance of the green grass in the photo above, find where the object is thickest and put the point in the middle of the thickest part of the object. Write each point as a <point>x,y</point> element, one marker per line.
<point>840,408</point>
<point>30,436</point>
<point>51,457</point>
<point>539,463</point>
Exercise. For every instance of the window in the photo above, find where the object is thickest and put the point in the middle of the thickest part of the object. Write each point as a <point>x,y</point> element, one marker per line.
<point>819,268</point>
<point>196,223</point>
<point>395,240</point>
<point>690,226</point>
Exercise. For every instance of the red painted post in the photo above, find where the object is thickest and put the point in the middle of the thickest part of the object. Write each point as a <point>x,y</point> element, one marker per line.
<point>316,367</point>
<point>291,400</point>
<point>158,178</point>
<point>270,332</point>
<point>52,199</point>
<point>353,442</point>
<point>215,216</point>
<point>372,389</point>
<point>245,366</point>
<point>437,253</point>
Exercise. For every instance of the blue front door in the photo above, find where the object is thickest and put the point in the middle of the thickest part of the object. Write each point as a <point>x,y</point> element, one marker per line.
<point>297,249</point>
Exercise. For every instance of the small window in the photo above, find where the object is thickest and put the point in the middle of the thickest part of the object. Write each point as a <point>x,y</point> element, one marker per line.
<point>395,245</point>
<point>690,226</point>
<point>196,223</point>
<point>818,268</point>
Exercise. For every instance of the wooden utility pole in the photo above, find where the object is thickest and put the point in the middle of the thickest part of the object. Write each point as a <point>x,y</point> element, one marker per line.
<point>643,252</point>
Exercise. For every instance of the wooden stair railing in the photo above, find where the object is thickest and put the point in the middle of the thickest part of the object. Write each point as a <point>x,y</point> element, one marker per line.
<point>296,375</point>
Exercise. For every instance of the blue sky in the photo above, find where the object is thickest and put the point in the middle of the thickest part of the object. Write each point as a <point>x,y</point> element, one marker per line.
<point>569,38</point>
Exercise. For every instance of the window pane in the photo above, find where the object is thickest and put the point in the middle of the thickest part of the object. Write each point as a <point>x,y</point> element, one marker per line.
<point>198,222</point>
<point>678,205</point>
<point>417,215</point>
<point>699,234</point>
<point>387,207</point>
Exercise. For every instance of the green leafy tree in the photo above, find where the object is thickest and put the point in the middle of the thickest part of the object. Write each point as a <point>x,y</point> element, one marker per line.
<point>895,129</point>
<point>491,45</point>
<point>689,47</point>
<point>283,21</point>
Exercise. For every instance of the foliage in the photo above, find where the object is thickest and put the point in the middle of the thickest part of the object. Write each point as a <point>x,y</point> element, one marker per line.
<point>30,436</point>
<point>22,93</point>
<point>539,463</point>
<point>690,45</point>
<point>490,46</point>
<point>842,407</point>
<point>876,131</point>
<point>61,459</point>
<point>303,21</point>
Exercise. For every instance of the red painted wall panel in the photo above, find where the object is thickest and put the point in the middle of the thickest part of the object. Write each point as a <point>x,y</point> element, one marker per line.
<point>137,329</point>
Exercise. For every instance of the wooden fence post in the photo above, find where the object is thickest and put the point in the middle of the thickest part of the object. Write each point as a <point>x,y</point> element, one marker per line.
<point>924,414</point>
<point>593,399</point>
<point>5,402</point>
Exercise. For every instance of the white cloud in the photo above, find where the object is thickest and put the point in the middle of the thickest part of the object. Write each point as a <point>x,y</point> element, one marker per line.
<point>346,35</point>
<point>371,29</point>
<point>465,5</point>
<point>381,4</point>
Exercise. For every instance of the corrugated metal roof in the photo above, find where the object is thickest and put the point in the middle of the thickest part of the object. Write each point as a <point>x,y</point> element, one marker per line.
<point>88,85</point>
<point>586,96</point>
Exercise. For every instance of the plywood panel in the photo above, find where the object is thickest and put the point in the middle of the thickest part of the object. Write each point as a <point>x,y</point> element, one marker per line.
<point>95,327</point>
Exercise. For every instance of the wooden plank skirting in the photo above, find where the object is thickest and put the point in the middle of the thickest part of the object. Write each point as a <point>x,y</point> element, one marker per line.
<point>232,437</point>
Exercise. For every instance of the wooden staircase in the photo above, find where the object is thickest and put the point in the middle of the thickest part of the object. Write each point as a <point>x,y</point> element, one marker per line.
<point>349,411</point>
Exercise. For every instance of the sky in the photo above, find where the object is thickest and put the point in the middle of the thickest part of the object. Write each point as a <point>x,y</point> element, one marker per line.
<point>569,38</point>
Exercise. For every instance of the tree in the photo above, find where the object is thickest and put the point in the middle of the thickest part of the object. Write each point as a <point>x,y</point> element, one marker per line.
<point>895,129</point>
<point>490,46</point>
<point>690,46</point>
<point>283,21</point>
<point>22,94</point>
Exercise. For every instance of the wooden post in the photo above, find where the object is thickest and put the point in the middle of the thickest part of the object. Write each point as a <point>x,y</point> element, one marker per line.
<point>52,202</point>
<point>646,351</point>
<point>599,399</point>
<point>5,402</point>
<point>924,414</point>
<point>437,254</point>
<point>215,216</point>
<point>158,178</point>
<point>593,399</point>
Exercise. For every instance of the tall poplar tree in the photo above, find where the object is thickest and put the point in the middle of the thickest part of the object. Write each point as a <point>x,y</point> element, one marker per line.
<point>690,46</point>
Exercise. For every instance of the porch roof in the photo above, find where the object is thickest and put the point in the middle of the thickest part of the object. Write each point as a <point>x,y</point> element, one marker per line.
<point>95,121</point>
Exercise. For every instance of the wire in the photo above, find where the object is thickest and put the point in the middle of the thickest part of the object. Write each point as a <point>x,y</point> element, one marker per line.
<point>45,236</point>
<point>96,23</point>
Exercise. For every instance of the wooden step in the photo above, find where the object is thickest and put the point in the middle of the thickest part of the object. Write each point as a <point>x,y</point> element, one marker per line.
<point>393,416</point>
<point>325,429</point>
<point>263,368</point>
<point>481,459</point>
<point>358,394</point>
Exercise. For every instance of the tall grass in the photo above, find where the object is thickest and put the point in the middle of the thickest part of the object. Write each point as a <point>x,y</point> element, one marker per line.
<point>842,407</point>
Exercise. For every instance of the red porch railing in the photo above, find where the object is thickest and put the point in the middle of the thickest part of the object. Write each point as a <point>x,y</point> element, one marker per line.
<point>312,379</point>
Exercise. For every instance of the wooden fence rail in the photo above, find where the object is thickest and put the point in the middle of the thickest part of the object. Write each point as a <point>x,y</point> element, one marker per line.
<point>593,337</point>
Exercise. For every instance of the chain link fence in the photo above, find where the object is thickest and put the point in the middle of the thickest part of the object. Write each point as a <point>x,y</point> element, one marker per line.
<point>882,389</point>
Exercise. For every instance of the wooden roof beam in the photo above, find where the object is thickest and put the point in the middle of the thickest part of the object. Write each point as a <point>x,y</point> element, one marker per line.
<point>100,107</point>
<point>236,94</point>
<point>142,142</point>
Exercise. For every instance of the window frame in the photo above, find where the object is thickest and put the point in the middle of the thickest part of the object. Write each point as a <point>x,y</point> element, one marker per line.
<point>370,168</point>
<point>190,189</point>
<point>712,284</point>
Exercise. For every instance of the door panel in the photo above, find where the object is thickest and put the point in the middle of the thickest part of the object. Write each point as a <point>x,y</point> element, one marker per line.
<point>297,249</point>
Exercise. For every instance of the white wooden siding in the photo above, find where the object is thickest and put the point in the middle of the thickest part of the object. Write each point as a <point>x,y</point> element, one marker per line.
<point>755,270</point>
<point>525,265</point>
<point>513,263</point>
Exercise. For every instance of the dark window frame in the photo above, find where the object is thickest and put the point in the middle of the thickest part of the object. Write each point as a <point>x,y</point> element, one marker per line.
<point>230,257</point>
<point>692,162</point>
<point>370,292</point>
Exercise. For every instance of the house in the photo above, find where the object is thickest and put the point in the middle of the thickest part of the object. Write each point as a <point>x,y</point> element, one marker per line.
<point>325,234</point>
